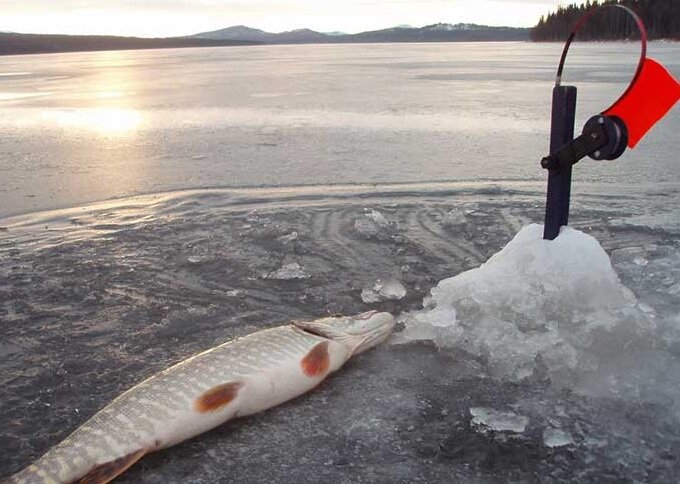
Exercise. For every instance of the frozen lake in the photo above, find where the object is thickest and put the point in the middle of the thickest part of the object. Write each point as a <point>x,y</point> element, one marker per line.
<point>96,298</point>
<point>83,127</point>
<point>257,185</point>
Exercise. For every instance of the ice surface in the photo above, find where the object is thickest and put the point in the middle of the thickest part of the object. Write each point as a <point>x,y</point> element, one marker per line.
<point>390,116</point>
<point>116,277</point>
<point>498,420</point>
<point>254,217</point>
<point>454,217</point>
<point>289,272</point>
<point>554,306</point>
<point>383,290</point>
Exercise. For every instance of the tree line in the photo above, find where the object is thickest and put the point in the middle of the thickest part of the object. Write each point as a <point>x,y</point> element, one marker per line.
<point>12,44</point>
<point>661,17</point>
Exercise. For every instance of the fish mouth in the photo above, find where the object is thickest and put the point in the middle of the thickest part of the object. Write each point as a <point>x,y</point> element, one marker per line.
<point>380,332</point>
<point>358,332</point>
<point>310,329</point>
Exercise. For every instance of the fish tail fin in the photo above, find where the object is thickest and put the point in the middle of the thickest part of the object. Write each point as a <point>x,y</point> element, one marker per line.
<point>46,470</point>
<point>110,470</point>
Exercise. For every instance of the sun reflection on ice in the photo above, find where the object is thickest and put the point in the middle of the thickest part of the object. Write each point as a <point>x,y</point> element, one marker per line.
<point>105,103</point>
<point>107,121</point>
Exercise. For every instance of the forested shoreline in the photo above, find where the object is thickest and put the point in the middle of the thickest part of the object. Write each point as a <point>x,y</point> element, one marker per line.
<point>18,44</point>
<point>661,17</point>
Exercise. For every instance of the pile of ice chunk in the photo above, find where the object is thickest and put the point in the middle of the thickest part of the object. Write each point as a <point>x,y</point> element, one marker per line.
<point>557,437</point>
<point>500,421</point>
<point>537,306</point>
<point>383,290</point>
<point>289,272</point>
<point>373,225</point>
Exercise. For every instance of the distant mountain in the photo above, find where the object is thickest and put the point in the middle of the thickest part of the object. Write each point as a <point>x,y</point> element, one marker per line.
<point>301,36</point>
<point>237,32</point>
<point>247,34</point>
<point>11,43</point>
<point>440,32</point>
<point>443,32</point>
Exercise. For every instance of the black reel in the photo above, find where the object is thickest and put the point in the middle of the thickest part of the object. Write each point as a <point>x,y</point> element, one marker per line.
<point>603,138</point>
<point>616,135</point>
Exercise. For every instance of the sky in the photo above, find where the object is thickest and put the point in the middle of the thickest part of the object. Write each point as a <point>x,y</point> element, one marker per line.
<point>164,18</point>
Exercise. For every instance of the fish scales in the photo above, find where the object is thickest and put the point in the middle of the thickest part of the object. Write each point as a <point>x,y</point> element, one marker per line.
<point>138,415</point>
<point>237,378</point>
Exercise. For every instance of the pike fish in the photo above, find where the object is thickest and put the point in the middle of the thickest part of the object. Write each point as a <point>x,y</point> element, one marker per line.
<point>238,378</point>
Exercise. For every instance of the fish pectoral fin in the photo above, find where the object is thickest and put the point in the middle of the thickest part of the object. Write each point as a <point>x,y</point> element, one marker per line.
<point>108,471</point>
<point>218,397</point>
<point>317,362</point>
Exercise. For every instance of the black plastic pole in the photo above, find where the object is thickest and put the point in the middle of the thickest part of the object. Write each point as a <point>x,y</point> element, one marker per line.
<point>559,180</point>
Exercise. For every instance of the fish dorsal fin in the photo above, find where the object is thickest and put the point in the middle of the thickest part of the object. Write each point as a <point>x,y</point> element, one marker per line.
<point>108,471</point>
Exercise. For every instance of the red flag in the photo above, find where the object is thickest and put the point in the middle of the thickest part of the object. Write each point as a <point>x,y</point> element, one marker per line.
<point>651,95</point>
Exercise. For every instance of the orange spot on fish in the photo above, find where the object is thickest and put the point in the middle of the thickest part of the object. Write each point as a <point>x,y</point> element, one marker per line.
<point>110,470</point>
<point>217,397</point>
<point>317,361</point>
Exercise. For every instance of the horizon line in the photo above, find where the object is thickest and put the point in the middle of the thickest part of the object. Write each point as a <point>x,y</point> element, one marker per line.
<point>331,33</point>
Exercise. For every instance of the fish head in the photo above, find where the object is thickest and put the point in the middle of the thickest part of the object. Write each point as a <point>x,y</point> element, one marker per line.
<point>358,333</point>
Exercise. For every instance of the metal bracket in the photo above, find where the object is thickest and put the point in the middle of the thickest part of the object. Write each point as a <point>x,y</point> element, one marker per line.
<point>592,139</point>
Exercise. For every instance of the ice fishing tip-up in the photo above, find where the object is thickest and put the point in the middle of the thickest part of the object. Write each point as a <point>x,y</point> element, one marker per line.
<point>650,95</point>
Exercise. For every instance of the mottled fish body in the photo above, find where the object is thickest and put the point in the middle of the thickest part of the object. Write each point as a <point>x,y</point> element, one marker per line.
<point>237,378</point>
